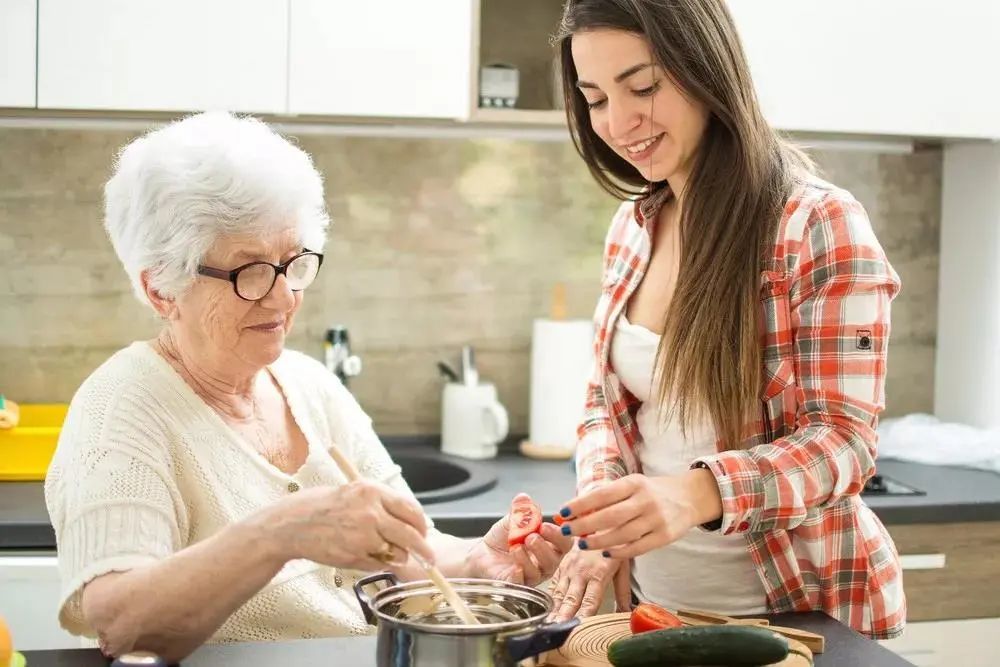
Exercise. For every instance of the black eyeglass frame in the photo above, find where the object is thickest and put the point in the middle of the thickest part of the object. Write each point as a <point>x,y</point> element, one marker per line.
<point>279,270</point>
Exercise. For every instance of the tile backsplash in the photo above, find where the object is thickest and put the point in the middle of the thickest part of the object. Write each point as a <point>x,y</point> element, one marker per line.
<point>436,243</point>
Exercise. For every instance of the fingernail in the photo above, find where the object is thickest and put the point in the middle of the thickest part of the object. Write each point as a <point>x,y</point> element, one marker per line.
<point>566,529</point>
<point>583,544</point>
<point>564,512</point>
<point>606,554</point>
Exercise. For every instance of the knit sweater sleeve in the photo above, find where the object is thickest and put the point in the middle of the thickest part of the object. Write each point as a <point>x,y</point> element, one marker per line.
<point>113,502</point>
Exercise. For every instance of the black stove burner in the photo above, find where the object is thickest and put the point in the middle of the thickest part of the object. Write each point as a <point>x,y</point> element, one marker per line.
<point>880,485</point>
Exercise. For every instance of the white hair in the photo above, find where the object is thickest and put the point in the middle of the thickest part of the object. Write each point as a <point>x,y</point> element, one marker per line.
<point>177,189</point>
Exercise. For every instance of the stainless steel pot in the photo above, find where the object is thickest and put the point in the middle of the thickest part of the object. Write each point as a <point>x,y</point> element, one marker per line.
<point>416,628</point>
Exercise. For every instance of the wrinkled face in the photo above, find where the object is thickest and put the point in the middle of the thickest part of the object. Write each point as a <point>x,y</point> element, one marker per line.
<point>212,322</point>
<point>635,107</point>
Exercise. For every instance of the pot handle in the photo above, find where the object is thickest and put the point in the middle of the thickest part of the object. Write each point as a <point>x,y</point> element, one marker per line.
<point>546,638</point>
<point>365,599</point>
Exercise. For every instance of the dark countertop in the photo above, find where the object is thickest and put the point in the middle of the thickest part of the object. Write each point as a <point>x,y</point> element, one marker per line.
<point>843,647</point>
<point>952,495</point>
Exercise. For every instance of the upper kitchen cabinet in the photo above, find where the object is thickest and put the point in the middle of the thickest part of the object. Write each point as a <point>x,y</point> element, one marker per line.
<point>388,58</point>
<point>893,67</point>
<point>170,56</point>
<point>515,37</point>
<point>17,53</point>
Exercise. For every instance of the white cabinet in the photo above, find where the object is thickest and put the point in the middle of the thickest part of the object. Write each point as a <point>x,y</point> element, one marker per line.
<point>390,58</point>
<point>153,55</point>
<point>895,67</point>
<point>17,53</point>
<point>29,600</point>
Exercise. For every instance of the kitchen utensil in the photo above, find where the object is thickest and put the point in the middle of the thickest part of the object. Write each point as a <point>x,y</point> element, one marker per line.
<point>473,421</point>
<point>470,374</point>
<point>433,573</point>
<point>447,371</point>
<point>588,645</point>
<point>815,642</point>
<point>693,617</point>
<point>414,631</point>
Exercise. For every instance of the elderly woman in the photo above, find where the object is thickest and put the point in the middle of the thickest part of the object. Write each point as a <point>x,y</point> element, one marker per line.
<point>193,493</point>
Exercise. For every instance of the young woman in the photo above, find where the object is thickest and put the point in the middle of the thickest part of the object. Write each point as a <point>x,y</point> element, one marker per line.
<point>741,339</point>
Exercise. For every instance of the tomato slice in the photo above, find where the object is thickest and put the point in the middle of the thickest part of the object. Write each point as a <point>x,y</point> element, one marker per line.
<point>525,519</point>
<point>648,616</point>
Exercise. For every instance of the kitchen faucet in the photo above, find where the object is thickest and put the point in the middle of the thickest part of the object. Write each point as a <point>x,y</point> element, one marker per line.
<point>337,354</point>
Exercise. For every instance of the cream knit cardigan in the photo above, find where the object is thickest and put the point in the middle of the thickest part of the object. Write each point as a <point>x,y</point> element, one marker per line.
<point>145,468</point>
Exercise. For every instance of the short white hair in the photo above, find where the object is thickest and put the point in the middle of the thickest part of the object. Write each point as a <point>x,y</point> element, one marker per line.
<point>177,189</point>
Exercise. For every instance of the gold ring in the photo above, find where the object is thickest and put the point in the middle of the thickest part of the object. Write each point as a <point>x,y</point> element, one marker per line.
<point>386,554</point>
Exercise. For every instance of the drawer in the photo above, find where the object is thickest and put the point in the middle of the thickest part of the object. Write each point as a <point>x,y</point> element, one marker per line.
<point>968,643</point>
<point>950,570</point>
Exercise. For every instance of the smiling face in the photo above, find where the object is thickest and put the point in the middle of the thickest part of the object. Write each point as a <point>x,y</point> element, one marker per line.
<point>210,321</point>
<point>635,107</point>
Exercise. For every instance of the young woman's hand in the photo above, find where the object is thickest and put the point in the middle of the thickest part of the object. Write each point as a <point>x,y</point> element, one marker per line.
<point>636,514</point>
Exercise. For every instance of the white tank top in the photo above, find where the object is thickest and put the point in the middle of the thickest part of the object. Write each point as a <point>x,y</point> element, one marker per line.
<point>702,570</point>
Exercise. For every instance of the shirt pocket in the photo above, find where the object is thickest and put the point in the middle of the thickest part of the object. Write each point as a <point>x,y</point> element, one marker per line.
<point>778,384</point>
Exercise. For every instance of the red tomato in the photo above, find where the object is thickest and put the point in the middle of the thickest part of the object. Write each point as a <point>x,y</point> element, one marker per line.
<point>525,519</point>
<point>649,616</point>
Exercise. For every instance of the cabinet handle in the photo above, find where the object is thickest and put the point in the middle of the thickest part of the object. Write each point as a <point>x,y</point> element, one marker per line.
<point>922,561</point>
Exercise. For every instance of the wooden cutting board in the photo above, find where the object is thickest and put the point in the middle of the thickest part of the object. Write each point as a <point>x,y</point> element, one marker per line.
<point>588,645</point>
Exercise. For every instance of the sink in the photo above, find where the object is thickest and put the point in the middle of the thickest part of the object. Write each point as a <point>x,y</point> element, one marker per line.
<point>435,478</point>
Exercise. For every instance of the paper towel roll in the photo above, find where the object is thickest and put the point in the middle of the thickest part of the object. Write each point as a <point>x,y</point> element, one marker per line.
<point>561,360</point>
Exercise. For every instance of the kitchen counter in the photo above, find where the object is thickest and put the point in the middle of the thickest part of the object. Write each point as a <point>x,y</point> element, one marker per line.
<point>953,495</point>
<point>843,647</point>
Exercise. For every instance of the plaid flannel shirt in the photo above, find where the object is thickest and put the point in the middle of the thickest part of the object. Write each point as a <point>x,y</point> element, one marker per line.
<point>793,489</point>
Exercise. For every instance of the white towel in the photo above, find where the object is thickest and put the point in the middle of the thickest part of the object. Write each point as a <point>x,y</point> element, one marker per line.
<point>923,438</point>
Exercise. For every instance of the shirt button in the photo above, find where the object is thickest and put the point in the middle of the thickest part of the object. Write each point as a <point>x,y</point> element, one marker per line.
<point>744,527</point>
<point>293,486</point>
<point>338,580</point>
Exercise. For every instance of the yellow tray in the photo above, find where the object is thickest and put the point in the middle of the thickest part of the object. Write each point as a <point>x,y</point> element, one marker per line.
<point>26,450</point>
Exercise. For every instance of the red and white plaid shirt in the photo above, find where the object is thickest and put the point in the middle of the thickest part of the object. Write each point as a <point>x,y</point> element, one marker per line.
<point>793,489</point>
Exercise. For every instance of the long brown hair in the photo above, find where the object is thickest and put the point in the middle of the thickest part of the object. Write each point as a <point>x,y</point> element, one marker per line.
<point>709,359</point>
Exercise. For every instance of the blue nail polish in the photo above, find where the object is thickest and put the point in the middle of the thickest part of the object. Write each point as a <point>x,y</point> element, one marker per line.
<point>583,544</point>
<point>566,529</point>
<point>606,554</point>
<point>564,512</point>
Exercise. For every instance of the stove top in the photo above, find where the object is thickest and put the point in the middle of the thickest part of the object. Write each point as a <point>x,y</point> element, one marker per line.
<point>880,485</point>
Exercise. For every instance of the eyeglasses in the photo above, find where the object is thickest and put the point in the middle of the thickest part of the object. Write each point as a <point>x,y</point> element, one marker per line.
<point>254,281</point>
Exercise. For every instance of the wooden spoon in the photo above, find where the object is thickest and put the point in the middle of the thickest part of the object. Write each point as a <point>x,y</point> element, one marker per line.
<point>450,595</point>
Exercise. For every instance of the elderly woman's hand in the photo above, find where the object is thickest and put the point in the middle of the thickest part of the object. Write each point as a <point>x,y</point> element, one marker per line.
<point>529,564</point>
<point>582,579</point>
<point>348,526</point>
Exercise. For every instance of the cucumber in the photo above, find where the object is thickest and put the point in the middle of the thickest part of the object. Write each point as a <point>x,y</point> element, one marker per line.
<point>705,645</point>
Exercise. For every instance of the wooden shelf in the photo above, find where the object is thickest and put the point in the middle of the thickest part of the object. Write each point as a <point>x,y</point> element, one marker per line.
<point>550,118</point>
